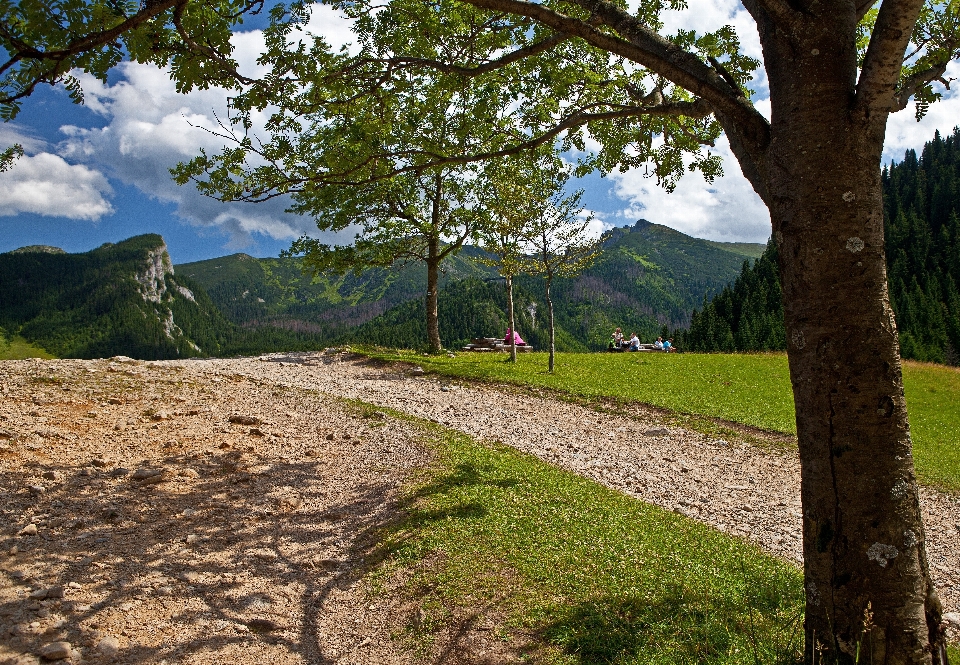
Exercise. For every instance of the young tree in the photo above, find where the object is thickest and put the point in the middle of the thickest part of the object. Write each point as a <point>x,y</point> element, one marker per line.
<point>556,237</point>
<point>511,182</point>
<point>412,217</point>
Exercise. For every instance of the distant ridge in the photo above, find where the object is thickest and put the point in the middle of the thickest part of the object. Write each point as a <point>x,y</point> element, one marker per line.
<point>128,299</point>
<point>753,250</point>
<point>34,249</point>
<point>649,276</point>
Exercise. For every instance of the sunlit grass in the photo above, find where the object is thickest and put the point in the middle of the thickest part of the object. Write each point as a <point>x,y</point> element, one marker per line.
<point>588,574</point>
<point>753,389</point>
<point>18,348</point>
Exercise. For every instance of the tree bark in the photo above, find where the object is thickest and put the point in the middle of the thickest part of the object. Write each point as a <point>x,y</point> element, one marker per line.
<point>550,362</point>
<point>513,329</point>
<point>863,538</point>
<point>433,279</point>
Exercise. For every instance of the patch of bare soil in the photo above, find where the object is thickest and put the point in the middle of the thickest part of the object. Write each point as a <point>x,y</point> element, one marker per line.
<point>177,513</point>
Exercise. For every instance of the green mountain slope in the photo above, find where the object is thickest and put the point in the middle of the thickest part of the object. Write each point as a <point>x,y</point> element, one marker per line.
<point>257,293</point>
<point>648,277</point>
<point>119,299</point>
<point>749,250</point>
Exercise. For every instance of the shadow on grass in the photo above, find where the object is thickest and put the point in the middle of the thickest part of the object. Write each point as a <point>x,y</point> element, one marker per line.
<point>632,629</point>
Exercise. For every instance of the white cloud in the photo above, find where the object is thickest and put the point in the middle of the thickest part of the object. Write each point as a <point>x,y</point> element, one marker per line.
<point>727,210</point>
<point>904,132</point>
<point>150,128</point>
<point>46,184</point>
<point>11,132</point>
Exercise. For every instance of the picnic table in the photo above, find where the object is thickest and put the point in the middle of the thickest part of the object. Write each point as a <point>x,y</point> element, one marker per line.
<point>488,344</point>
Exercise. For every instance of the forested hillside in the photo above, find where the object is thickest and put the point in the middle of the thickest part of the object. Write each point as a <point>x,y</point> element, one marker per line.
<point>126,299</point>
<point>648,277</point>
<point>922,227</point>
<point>922,223</point>
<point>275,293</point>
<point>117,299</point>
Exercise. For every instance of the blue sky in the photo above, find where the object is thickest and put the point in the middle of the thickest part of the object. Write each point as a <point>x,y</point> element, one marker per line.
<point>99,173</point>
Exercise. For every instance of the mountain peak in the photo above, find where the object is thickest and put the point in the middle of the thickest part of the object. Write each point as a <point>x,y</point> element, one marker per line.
<point>37,249</point>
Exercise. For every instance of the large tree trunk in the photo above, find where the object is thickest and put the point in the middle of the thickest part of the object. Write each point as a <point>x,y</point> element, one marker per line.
<point>863,539</point>
<point>433,280</point>
<point>550,362</point>
<point>513,323</point>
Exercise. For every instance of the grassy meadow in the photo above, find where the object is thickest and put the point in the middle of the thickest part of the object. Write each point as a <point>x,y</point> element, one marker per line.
<point>17,348</point>
<point>753,389</point>
<point>570,572</point>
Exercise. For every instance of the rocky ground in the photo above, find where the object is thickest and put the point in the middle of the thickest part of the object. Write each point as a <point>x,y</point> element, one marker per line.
<point>188,513</point>
<point>226,510</point>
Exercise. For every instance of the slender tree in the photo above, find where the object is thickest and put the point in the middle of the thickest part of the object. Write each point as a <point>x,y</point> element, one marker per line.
<point>413,217</point>
<point>505,235</point>
<point>556,235</point>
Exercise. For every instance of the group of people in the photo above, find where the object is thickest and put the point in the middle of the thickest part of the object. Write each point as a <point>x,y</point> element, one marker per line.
<point>618,342</point>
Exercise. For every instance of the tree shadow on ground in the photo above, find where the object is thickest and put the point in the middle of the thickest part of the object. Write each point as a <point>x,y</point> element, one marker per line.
<point>242,559</point>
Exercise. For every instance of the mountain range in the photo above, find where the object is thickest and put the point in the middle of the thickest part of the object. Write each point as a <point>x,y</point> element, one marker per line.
<point>127,298</point>
<point>648,276</point>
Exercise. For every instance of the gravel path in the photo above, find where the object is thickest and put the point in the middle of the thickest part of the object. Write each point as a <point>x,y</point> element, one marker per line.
<point>200,512</point>
<point>735,487</point>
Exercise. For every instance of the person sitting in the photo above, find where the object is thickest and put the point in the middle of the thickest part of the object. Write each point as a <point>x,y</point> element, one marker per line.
<point>516,338</point>
<point>668,345</point>
<point>618,338</point>
<point>634,342</point>
<point>658,345</point>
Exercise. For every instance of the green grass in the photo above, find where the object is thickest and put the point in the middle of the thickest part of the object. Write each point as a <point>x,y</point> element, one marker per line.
<point>570,572</point>
<point>17,348</point>
<point>753,389</point>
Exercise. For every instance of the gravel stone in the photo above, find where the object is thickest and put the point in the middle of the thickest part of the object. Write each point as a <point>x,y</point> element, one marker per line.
<point>55,651</point>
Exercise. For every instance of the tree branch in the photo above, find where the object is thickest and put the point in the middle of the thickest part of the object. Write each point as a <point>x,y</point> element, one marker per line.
<point>150,10</point>
<point>910,85</point>
<point>290,185</point>
<point>19,51</point>
<point>645,47</point>
<point>492,65</point>
<point>882,65</point>
<point>225,65</point>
